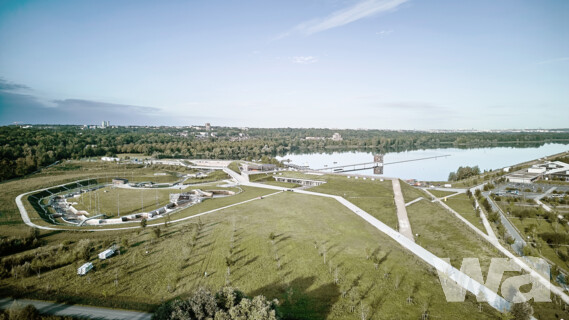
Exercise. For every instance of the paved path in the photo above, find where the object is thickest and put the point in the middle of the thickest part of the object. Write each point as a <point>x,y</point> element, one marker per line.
<point>543,205</point>
<point>519,242</point>
<point>403,219</point>
<point>485,221</point>
<point>62,310</point>
<point>540,278</point>
<point>413,201</point>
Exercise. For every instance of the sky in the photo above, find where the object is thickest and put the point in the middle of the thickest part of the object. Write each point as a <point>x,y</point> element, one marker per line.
<point>377,64</point>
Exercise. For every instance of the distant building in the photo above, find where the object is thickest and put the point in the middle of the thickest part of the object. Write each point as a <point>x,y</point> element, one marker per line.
<point>105,124</point>
<point>547,170</point>
<point>336,137</point>
<point>119,181</point>
<point>315,138</point>
<point>260,167</point>
<point>110,159</point>
<point>207,127</point>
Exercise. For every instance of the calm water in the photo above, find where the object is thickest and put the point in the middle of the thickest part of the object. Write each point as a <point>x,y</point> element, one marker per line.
<point>431,169</point>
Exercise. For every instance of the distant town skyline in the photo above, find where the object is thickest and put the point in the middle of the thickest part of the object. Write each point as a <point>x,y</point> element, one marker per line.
<point>376,64</point>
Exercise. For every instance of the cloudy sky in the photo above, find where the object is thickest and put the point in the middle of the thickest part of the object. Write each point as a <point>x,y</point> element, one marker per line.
<point>386,64</point>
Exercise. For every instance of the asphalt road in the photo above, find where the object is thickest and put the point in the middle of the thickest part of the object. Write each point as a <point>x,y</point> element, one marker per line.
<point>519,240</point>
<point>60,309</point>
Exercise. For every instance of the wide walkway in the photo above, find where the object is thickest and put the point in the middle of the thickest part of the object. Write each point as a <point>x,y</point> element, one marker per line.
<point>403,219</point>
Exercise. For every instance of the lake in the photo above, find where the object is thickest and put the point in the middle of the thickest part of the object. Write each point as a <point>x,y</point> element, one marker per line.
<point>431,169</point>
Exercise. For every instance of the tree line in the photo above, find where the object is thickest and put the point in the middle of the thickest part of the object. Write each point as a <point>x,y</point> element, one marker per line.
<point>25,150</point>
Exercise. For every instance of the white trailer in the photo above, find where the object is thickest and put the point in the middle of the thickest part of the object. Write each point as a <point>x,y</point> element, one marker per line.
<point>84,268</point>
<point>105,254</point>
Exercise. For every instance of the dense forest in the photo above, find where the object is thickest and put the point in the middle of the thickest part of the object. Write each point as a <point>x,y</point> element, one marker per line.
<point>24,150</point>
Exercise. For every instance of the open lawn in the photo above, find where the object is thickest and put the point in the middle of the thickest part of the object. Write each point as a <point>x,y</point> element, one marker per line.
<point>375,197</point>
<point>312,238</point>
<point>440,193</point>
<point>118,201</point>
<point>446,236</point>
<point>463,205</point>
<point>215,175</point>
<point>412,193</point>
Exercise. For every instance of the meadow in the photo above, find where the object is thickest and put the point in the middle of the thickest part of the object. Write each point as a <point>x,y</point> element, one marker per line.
<point>319,259</point>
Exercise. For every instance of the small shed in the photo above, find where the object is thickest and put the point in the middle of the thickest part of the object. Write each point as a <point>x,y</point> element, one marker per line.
<point>82,270</point>
<point>105,254</point>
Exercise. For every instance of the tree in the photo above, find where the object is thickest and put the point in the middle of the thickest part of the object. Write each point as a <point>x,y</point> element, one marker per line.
<point>156,232</point>
<point>226,304</point>
<point>17,312</point>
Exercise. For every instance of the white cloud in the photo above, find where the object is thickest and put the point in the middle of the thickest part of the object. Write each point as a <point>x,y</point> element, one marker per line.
<point>360,10</point>
<point>304,60</point>
<point>384,33</point>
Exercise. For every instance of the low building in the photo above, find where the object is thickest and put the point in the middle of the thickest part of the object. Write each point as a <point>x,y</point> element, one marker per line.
<point>547,170</point>
<point>336,137</point>
<point>260,167</point>
<point>111,159</point>
<point>303,182</point>
<point>119,181</point>
<point>105,254</point>
<point>523,177</point>
<point>82,270</point>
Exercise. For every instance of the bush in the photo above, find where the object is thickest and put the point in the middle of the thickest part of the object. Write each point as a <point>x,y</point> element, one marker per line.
<point>228,303</point>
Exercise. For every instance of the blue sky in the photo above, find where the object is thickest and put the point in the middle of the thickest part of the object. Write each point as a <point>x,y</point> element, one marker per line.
<point>384,64</point>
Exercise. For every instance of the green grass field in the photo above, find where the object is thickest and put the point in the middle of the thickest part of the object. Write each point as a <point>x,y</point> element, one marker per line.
<point>314,236</point>
<point>215,175</point>
<point>463,205</point>
<point>541,226</point>
<point>446,236</point>
<point>440,193</point>
<point>375,197</point>
<point>114,201</point>
<point>290,268</point>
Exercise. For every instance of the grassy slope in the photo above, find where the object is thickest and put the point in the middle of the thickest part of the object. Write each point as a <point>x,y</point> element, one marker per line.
<point>234,166</point>
<point>375,197</point>
<point>303,285</point>
<point>216,175</point>
<point>446,236</point>
<point>440,194</point>
<point>463,205</point>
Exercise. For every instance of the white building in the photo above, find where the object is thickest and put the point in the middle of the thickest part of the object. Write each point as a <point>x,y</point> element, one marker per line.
<point>547,170</point>
<point>336,137</point>
<point>105,254</point>
<point>82,270</point>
